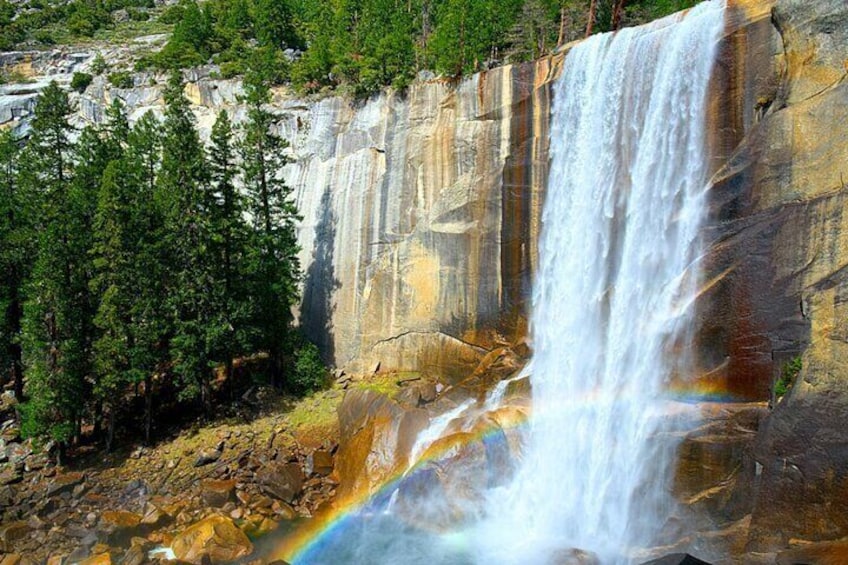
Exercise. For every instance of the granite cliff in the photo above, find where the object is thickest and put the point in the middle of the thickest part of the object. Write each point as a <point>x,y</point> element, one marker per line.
<point>422,213</point>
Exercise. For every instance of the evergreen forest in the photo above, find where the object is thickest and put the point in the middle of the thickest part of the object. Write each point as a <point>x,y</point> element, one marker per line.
<point>139,266</point>
<point>359,46</point>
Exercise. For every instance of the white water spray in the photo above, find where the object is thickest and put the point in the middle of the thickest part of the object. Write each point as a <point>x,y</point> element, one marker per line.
<point>618,269</point>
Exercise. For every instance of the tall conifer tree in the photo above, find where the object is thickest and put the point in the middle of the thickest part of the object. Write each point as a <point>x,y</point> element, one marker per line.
<point>274,266</point>
<point>229,330</point>
<point>16,249</point>
<point>54,349</point>
<point>183,188</point>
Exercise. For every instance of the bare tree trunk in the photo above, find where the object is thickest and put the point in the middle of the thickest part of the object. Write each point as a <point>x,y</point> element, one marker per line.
<point>593,9</point>
<point>98,421</point>
<point>561,36</point>
<point>617,12</point>
<point>148,407</point>
<point>110,429</point>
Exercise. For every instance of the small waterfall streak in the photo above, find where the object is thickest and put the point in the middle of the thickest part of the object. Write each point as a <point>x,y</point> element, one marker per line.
<point>496,396</point>
<point>435,431</point>
<point>618,269</point>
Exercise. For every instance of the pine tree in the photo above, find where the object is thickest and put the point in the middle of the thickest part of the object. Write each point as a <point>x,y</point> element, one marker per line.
<point>16,249</point>
<point>230,327</point>
<point>151,324</point>
<point>273,267</point>
<point>111,283</point>
<point>184,191</point>
<point>112,257</point>
<point>54,349</point>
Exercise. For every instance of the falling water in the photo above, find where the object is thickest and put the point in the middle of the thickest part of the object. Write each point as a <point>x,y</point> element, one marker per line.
<point>611,318</point>
<point>617,273</point>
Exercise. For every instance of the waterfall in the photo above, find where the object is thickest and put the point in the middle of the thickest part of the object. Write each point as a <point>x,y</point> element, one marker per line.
<point>617,274</point>
<point>611,326</point>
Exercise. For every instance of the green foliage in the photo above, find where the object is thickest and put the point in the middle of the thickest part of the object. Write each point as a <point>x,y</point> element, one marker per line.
<point>788,374</point>
<point>98,65</point>
<point>310,373</point>
<point>56,21</point>
<point>183,191</point>
<point>57,315</point>
<point>121,79</point>
<point>16,250</point>
<point>80,81</point>
<point>133,266</point>
<point>365,45</point>
<point>641,11</point>
<point>272,265</point>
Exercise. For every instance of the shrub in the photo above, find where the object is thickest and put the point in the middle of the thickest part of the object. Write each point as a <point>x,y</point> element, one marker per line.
<point>172,14</point>
<point>137,15</point>
<point>44,37</point>
<point>788,374</point>
<point>310,374</point>
<point>121,79</point>
<point>98,66</point>
<point>80,81</point>
<point>79,25</point>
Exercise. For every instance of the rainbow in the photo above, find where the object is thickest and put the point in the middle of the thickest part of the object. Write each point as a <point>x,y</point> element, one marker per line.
<point>304,544</point>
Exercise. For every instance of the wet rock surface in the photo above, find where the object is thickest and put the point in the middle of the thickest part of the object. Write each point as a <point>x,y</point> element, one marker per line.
<point>776,277</point>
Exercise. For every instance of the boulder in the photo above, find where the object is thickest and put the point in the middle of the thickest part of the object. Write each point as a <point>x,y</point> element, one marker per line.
<point>99,559</point>
<point>17,452</point>
<point>155,516</point>
<point>118,527</point>
<point>12,533</point>
<point>216,493</point>
<point>66,482</point>
<point>11,473</point>
<point>207,456</point>
<point>319,462</point>
<point>446,489</point>
<point>377,437</point>
<point>283,482</point>
<point>216,539</point>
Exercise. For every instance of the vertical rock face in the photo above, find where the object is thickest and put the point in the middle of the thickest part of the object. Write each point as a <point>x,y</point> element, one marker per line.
<point>420,211</point>
<point>421,218</point>
<point>776,283</point>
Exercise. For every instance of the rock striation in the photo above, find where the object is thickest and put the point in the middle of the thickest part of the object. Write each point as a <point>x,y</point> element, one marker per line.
<point>421,216</point>
<point>782,234</point>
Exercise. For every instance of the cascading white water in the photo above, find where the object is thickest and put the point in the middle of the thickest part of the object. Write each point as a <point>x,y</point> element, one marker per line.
<point>617,274</point>
<point>618,271</point>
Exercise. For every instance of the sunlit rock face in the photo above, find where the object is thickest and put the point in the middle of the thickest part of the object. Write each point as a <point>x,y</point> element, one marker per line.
<point>421,218</point>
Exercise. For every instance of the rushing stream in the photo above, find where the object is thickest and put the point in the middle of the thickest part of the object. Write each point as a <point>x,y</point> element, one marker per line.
<point>611,314</point>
